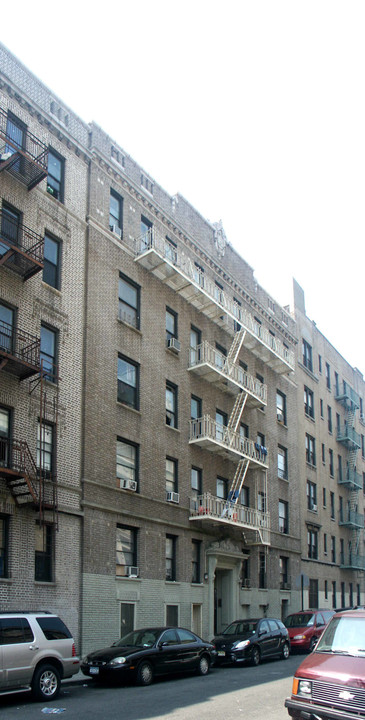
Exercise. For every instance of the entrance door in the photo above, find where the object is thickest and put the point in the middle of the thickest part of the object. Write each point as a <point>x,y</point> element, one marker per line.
<point>197,619</point>
<point>223,594</point>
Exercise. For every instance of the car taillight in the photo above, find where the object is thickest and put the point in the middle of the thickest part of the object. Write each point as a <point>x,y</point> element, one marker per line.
<point>73,650</point>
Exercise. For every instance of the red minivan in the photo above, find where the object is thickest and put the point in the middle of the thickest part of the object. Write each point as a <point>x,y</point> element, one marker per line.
<point>330,683</point>
<point>306,627</point>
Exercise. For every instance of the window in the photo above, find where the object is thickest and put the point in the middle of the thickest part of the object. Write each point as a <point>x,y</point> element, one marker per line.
<point>126,549</point>
<point>329,418</point>
<point>52,262</point>
<point>196,486</point>
<point>170,250</point>
<point>56,175</point>
<point>333,549</point>
<point>15,631</point>
<point>116,213</point>
<point>127,612</point>
<point>321,408</point>
<point>340,508</point>
<point>43,571</point>
<point>171,405</point>
<point>198,274</point>
<point>283,570</point>
<point>171,325</point>
<point>282,462</point>
<point>281,407</point>
<point>146,233</point>
<point>127,463</point>
<point>332,472</point>
<point>332,499</point>
<point>195,561</point>
<point>220,356</point>
<point>45,448</point>
<point>195,408</point>
<point>307,355</point>
<point>351,595</point>
<point>328,376</point>
<point>245,496</point>
<point>195,340</point>
<point>312,535</point>
<point>261,501</point>
<point>323,454</point>
<point>129,302</point>
<point>222,488</point>
<point>7,320</point>
<point>283,517</point>
<point>308,402</point>
<point>326,589</point>
<point>147,183</point>
<point>128,382</point>
<point>325,543</point>
<point>220,424</point>
<point>16,132</point>
<point>11,220</point>
<point>334,600</point>
<point>237,313</point>
<point>244,431</point>
<point>324,497</point>
<point>339,468</point>
<point>218,292</point>
<point>172,618</point>
<point>310,449</point>
<point>262,570</point>
<point>48,354</point>
<point>311,495</point>
<point>171,542</point>
<point>171,475</point>
<point>320,364</point>
<point>337,383</point>
<point>5,454</point>
<point>4,540</point>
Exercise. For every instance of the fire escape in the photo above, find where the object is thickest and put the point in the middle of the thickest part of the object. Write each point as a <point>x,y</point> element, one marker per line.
<point>351,479</point>
<point>178,270</point>
<point>22,154</point>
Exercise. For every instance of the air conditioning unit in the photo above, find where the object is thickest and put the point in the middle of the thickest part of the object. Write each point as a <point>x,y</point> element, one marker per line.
<point>285,586</point>
<point>128,484</point>
<point>5,155</point>
<point>116,229</point>
<point>172,497</point>
<point>174,345</point>
<point>280,417</point>
<point>131,571</point>
<point>314,507</point>
<point>246,583</point>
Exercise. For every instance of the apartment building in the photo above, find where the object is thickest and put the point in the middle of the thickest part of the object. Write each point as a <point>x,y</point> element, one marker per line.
<point>156,462</point>
<point>331,465</point>
<point>43,193</point>
<point>189,498</point>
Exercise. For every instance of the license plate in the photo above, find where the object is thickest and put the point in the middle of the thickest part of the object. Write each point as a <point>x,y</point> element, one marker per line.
<point>221,653</point>
<point>94,671</point>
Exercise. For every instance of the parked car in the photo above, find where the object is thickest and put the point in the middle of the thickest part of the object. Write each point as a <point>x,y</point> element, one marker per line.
<point>252,640</point>
<point>37,650</point>
<point>144,653</point>
<point>330,682</point>
<point>306,627</point>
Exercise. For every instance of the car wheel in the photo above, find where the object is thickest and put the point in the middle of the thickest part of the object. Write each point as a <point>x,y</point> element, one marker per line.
<point>285,651</point>
<point>46,682</point>
<point>144,673</point>
<point>203,667</point>
<point>255,655</point>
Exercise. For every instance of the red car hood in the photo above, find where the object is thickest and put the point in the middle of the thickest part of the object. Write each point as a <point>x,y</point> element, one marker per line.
<point>328,667</point>
<point>293,631</point>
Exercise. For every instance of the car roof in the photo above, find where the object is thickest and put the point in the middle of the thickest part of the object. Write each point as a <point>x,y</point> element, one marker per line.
<point>11,613</point>
<point>354,612</point>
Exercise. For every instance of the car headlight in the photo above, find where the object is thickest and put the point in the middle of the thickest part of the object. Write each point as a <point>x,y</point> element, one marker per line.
<point>302,687</point>
<point>299,637</point>
<point>240,645</point>
<point>118,661</point>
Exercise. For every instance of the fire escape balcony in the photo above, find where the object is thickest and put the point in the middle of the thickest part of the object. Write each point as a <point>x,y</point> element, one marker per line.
<point>18,469</point>
<point>352,562</point>
<point>210,364</point>
<point>348,436</point>
<point>215,512</point>
<point>177,269</point>
<point>350,479</point>
<point>27,159</point>
<point>210,435</point>
<point>348,398</point>
<point>19,351</point>
<point>21,249</point>
<point>352,519</point>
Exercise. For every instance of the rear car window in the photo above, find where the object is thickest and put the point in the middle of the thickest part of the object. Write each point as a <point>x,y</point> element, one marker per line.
<point>53,628</point>
<point>14,631</point>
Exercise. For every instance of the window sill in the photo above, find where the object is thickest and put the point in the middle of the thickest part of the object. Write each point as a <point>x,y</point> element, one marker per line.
<point>312,467</point>
<point>128,407</point>
<point>282,424</point>
<point>51,583</point>
<point>129,325</point>
<point>118,578</point>
<point>52,289</point>
<point>172,582</point>
<point>309,417</point>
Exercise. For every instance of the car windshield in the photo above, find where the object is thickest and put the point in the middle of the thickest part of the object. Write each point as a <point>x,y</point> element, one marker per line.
<point>299,620</point>
<point>139,638</point>
<point>241,627</point>
<point>344,635</point>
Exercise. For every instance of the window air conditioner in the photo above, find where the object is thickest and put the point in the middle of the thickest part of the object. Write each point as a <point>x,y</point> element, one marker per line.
<point>5,156</point>
<point>280,417</point>
<point>314,507</point>
<point>131,571</point>
<point>128,484</point>
<point>246,583</point>
<point>116,229</point>
<point>174,345</point>
<point>172,497</point>
<point>285,586</point>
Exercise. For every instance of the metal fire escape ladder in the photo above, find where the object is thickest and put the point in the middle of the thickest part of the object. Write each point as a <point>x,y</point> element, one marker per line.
<point>234,350</point>
<point>354,493</point>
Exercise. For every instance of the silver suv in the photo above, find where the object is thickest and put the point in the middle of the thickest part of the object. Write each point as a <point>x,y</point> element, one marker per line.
<point>37,651</point>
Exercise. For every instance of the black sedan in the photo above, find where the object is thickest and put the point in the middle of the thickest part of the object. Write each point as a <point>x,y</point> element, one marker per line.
<point>252,640</point>
<point>142,654</point>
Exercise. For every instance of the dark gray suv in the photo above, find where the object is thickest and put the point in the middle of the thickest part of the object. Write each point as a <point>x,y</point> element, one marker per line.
<point>37,651</point>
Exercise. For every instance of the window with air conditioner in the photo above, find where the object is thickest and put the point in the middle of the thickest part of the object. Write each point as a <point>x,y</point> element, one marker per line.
<point>126,550</point>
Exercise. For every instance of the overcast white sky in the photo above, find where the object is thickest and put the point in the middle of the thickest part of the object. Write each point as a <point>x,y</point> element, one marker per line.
<point>253,110</point>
